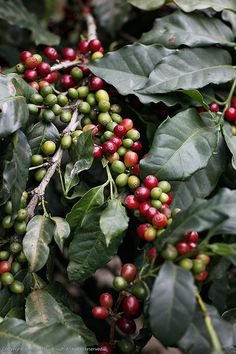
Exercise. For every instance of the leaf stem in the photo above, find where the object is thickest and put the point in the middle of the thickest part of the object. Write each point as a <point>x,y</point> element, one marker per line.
<point>211,330</point>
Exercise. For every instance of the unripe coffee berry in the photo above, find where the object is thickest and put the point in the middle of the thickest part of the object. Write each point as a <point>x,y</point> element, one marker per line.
<point>120,283</point>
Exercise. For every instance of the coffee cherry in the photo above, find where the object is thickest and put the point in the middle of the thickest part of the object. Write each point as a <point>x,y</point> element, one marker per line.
<point>46,90</point>
<point>136,169</point>
<point>43,68</point>
<point>198,266</point>
<point>66,142</point>
<point>156,204</point>
<point>202,276</point>
<point>100,312</point>
<point>62,100</point>
<point>33,109</point>
<point>51,53</point>
<point>233,102</point>
<point>119,130</point>
<point>96,83</point>
<point>48,115</point>
<point>7,278</point>
<point>130,159</point>
<point>97,152</point>
<point>133,134</point>
<point>76,73</point>
<point>106,300</point>
<point>83,91</point>
<point>152,254</point>
<point>128,271</point>
<point>30,75</point>
<point>68,54</point>
<point>165,186</point>
<point>20,68</point>
<point>104,118</point>
<point>36,98</point>
<point>191,236</point>
<point>204,258</point>
<point>214,107</point>
<point>121,180</point>
<point>120,283</point>
<point>126,346</point>
<point>109,148</point>
<point>39,174</point>
<point>65,116</point>
<point>116,140</point>
<point>159,221</point>
<point>4,255</point>
<point>150,234</point>
<point>131,201</point>
<point>186,263</point>
<point>35,85</point>
<point>50,100</point>
<point>24,55</point>
<point>141,230</point>
<point>8,208</point>
<point>140,291</point>
<point>20,227</point>
<point>126,325</point>
<point>17,287</point>
<point>7,223</point>
<point>31,63</point>
<point>116,118</point>
<point>127,123</point>
<point>133,182</point>
<point>183,248</point>
<point>131,306</point>
<point>21,258</point>
<point>164,198</point>
<point>83,46</point>
<point>142,193</point>
<point>96,56</point>
<point>15,267</point>
<point>105,348</point>
<point>137,146</point>
<point>102,95</point>
<point>122,151</point>
<point>67,81</point>
<point>118,167</point>
<point>104,107</point>
<point>193,246</point>
<point>5,266</point>
<point>169,253</point>
<point>127,143</point>
<point>73,93</point>
<point>38,57</point>
<point>230,114</point>
<point>21,215</point>
<point>49,147</point>
<point>94,45</point>
<point>150,213</point>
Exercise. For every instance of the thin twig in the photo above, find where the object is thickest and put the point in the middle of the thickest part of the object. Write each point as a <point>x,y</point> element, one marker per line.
<point>91,26</point>
<point>113,321</point>
<point>45,164</point>
<point>65,64</point>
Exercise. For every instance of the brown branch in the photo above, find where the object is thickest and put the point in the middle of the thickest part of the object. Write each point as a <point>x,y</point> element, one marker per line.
<point>65,64</point>
<point>38,192</point>
<point>91,26</point>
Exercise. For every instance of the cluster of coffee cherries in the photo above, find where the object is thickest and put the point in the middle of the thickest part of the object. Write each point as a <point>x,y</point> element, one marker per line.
<point>128,307</point>
<point>186,254</point>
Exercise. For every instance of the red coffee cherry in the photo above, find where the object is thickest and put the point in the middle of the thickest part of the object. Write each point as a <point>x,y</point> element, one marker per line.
<point>142,193</point>
<point>193,246</point>
<point>67,81</point>
<point>109,147</point>
<point>191,236</point>
<point>127,123</point>
<point>233,102</point>
<point>201,109</point>
<point>35,85</point>
<point>202,276</point>
<point>94,45</point>
<point>130,158</point>
<point>128,271</point>
<point>105,348</point>
<point>137,146</point>
<point>116,140</point>
<point>97,152</point>
<point>131,202</point>
<point>159,221</point>
<point>150,181</point>
<point>183,248</point>
<point>43,68</point>
<point>96,83</point>
<point>106,300</point>
<point>136,169</point>
<point>131,306</point>
<point>141,229</point>
<point>31,62</point>
<point>230,114</point>
<point>169,201</point>
<point>30,75</point>
<point>24,55</point>
<point>214,107</point>
<point>144,207</point>
<point>100,312</point>
<point>83,46</point>
<point>119,130</point>
<point>5,267</point>
<point>68,54</point>
<point>126,325</point>
<point>152,253</point>
<point>51,53</point>
<point>151,212</point>
<point>150,234</point>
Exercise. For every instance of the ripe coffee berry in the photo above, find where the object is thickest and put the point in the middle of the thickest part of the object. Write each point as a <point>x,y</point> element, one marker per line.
<point>142,193</point>
<point>183,248</point>
<point>141,229</point>
<point>131,202</point>
<point>150,234</point>
<point>126,325</point>
<point>67,81</point>
<point>24,55</point>
<point>233,102</point>
<point>51,53</point>
<point>137,146</point>
<point>109,147</point>
<point>144,207</point>
<point>128,271</point>
<point>97,152</point>
<point>94,45</point>
<point>202,276</point>
<point>43,68</point>
<point>131,306</point>
<point>83,46</point>
<point>130,158</point>
<point>5,266</point>
<point>119,130</point>
<point>127,123</point>
<point>116,140</point>
<point>136,169</point>
<point>100,312</point>
<point>159,221</point>
<point>150,181</point>
<point>230,114</point>
<point>31,63</point>
<point>68,54</point>
<point>214,107</point>
<point>150,213</point>
<point>30,75</point>
<point>96,83</point>
<point>191,236</point>
<point>105,348</point>
<point>106,300</point>
<point>152,253</point>
<point>193,246</point>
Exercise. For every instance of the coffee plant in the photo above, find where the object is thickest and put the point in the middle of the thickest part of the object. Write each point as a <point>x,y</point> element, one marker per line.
<point>118,176</point>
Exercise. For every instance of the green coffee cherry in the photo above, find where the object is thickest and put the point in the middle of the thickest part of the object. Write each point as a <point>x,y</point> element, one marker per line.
<point>62,100</point>
<point>104,105</point>
<point>96,56</point>
<point>49,147</point>
<point>7,223</point>
<point>165,186</point>
<point>36,98</point>
<point>118,166</point>
<point>65,116</point>
<point>15,267</point>
<point>115,108</point>
<point>50,100</point>
<point>8,208</point>
<point>84,107</point>
<point>91,99</point>
<point>66,141</point>
<point>56,109</point>
<point>20,68</point>
<point>116,118</point>
<point>77,73</point>
<point>33,109</point>
<point>15,247</point>
<point>21,215</point>
<point>73,93</point>
<point>37,160</point>
<point>39,174</point>
<point>20,227</point>
<point>121,180</point>
<point>104,118</point>
<point>83,91</point>
<point>17,287</point>
<point>48,115</point>
<point>102,95</point>
<point>46,90</point>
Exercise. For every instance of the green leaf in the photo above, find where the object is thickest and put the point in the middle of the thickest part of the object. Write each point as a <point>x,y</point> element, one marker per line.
<point>177,153</point>
<point>192,30</point>
<point>88,250</point>
<point>61,232</point>
<point>217,5</point>
<point>52,339</point>
<point>41,308</point>
<point>93,198</point>
<point>218,293</point>
<point>128,68</point>
<point>41,132</point>
<point>15,13</point>
<point>22,87</point>
<point>75,323</point>
<point>114,220</point>
<point>204,215</point>
<point>230,16</point>
<point>169,99</point>
<point>39,234</point>
<point>197,340</point>
<point>82,155</point>
<point>190,69</point>
<point>147,5</point>
<point>172,303</point>
<point>16,170</point>
<point>202,182</point>
<point>197,97</point>
<point>223,249</point>
<point>13,108</point>
<point>230,140</point>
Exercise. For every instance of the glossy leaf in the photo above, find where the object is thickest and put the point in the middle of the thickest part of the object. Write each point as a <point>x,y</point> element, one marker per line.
<point>202,182</point>
<point>16,170</point>
<point>61,232</point>
<point>223,249</point>
<point>217,5</point>
<point>93,198</point>
<point>39,234</point>
<point>218,293</point>
<point>57,338</point>
<point>230,16</point>
<point>88,250</point>
<point>114,220</point>
<point>192,30</point>
<point>147,5</point>
<point>129,67</point>
<point>177,153</point>
<point>172,303</point>
<point>190,69</point>
<point>230,140</point>
<point>41,132</point>
<point>16,14</point>
<point>82,155</point>
<point>13,108</point>
<point>41,308</point>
